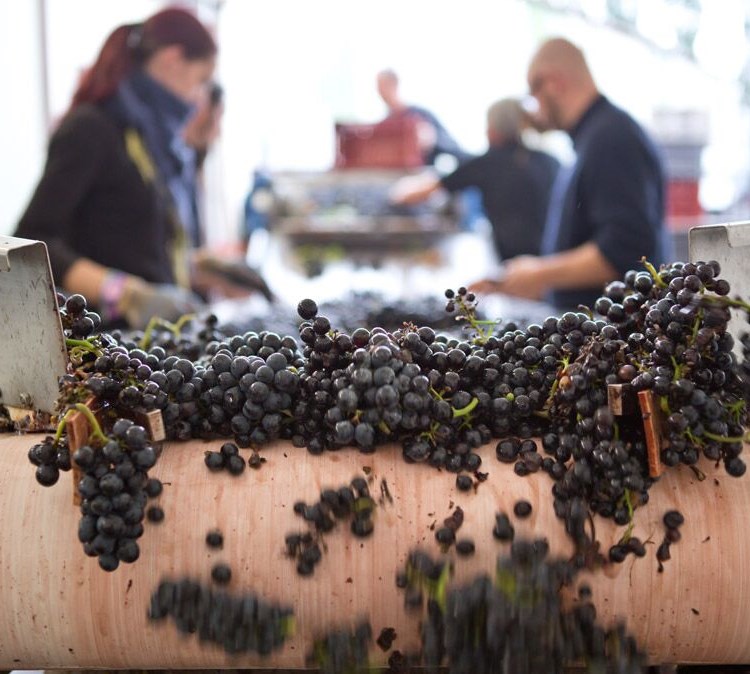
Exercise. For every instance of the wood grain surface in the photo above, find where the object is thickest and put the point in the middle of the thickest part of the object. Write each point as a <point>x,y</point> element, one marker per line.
<point>60,610</point>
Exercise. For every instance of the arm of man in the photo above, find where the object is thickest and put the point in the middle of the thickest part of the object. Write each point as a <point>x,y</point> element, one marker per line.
<point>413,189</point>
<point>530,277</point>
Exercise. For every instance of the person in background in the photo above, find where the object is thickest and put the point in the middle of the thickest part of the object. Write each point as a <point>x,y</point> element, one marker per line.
<point>116,201</point>
<point>211,272</point>
<point>606,212</point>
<point>514,182</point>
<point>204,126</point>
<point>433,136</point>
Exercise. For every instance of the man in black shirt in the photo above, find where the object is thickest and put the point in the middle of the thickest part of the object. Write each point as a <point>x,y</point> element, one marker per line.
<point>514,181</point>
<point>606,211</point>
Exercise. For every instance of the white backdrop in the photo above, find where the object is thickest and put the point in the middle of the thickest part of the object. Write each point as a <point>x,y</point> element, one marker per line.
<point>290,68</point>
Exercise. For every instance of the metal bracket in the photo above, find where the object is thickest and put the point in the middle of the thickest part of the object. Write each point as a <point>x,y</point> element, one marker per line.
<point>729,245</point>
<point>32,346</point>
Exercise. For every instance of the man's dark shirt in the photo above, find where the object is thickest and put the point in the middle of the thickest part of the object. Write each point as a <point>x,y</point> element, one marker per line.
<point>515,183</point>
<point>613,195</point>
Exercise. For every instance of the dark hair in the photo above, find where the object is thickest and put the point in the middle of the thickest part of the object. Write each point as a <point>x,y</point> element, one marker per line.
<point>128,47</point>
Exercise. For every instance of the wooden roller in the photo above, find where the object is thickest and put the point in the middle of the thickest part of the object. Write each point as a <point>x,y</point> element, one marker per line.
<point>60,610</point>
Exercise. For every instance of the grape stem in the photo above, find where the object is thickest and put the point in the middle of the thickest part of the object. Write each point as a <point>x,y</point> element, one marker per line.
<point>723,438</point>
<point>696,326</point>
<point>677,368</point>
<point>627,500</point>
<point>61,426</point>
<point>78,348</point>
<point>83,344</point>
<point>553,389</point>
<point>469,315</point>
<point>175,328</point>
<point>464,411</point>
<point>96,429</point>
<point>654,274</point>
<point>435,394</point>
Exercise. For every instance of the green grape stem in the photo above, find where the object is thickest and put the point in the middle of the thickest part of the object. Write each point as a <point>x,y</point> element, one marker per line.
<point>175,328</point>
<point>696,326</point>
<point>693,438</point>
<point>435,394</point>
<point>61,426</point>
<point>430,434</point>
<point>469,315</point>
<point>464,411</point>
<point>96,429</point>
<point>654,274</point>
<point>555,384</point>
<point>677,368</point>
<point>83,344</point>
<point>725,439</point>
<point>628,502</point>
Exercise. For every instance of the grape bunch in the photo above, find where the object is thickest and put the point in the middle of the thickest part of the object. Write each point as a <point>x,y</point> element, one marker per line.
<point>77,321</point>
<point>665,332</point>
<point>440,398</point>
<point>114,490</point>
<point>342,650</point>
<point>350,502</point>
<point>238,623</point>
<point>227,458</point>
<point>374,387</point>
<point>50,457</point>
<point>516,621</point>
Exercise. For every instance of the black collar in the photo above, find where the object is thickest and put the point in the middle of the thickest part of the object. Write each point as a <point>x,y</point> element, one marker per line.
<point>599,102</point>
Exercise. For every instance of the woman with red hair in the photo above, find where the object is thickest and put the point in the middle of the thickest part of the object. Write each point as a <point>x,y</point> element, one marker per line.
<point>116,202</point>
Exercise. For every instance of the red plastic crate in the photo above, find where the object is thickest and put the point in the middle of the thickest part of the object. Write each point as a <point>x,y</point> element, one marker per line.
<point>390,144</point>
<point>682,198</point>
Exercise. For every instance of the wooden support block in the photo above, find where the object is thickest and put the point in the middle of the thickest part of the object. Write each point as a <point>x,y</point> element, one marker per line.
<point>651,415</point>
<point>153,422</point>
<point>79,431</point>
<point>621,399</point>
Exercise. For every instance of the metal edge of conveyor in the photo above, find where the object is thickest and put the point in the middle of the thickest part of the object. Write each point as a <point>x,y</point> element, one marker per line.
<point>728,244</point>
<point>32,345</point>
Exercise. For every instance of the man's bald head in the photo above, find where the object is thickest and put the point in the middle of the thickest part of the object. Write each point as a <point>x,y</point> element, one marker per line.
<point>561,81</point>
<point>562,56</point>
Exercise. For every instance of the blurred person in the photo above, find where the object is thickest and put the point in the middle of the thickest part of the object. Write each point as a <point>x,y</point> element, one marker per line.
<point>224,275</point>
<point>116,201</point>
<point>204,125</point>
<point>514,182</point>
<point>606,211</point>
<point>434,139</point>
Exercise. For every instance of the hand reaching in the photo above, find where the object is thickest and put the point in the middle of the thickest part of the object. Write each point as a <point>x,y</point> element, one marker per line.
<point>236,273</point>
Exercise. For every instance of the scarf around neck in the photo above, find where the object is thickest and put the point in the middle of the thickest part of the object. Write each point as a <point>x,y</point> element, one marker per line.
<point>159,116</point>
